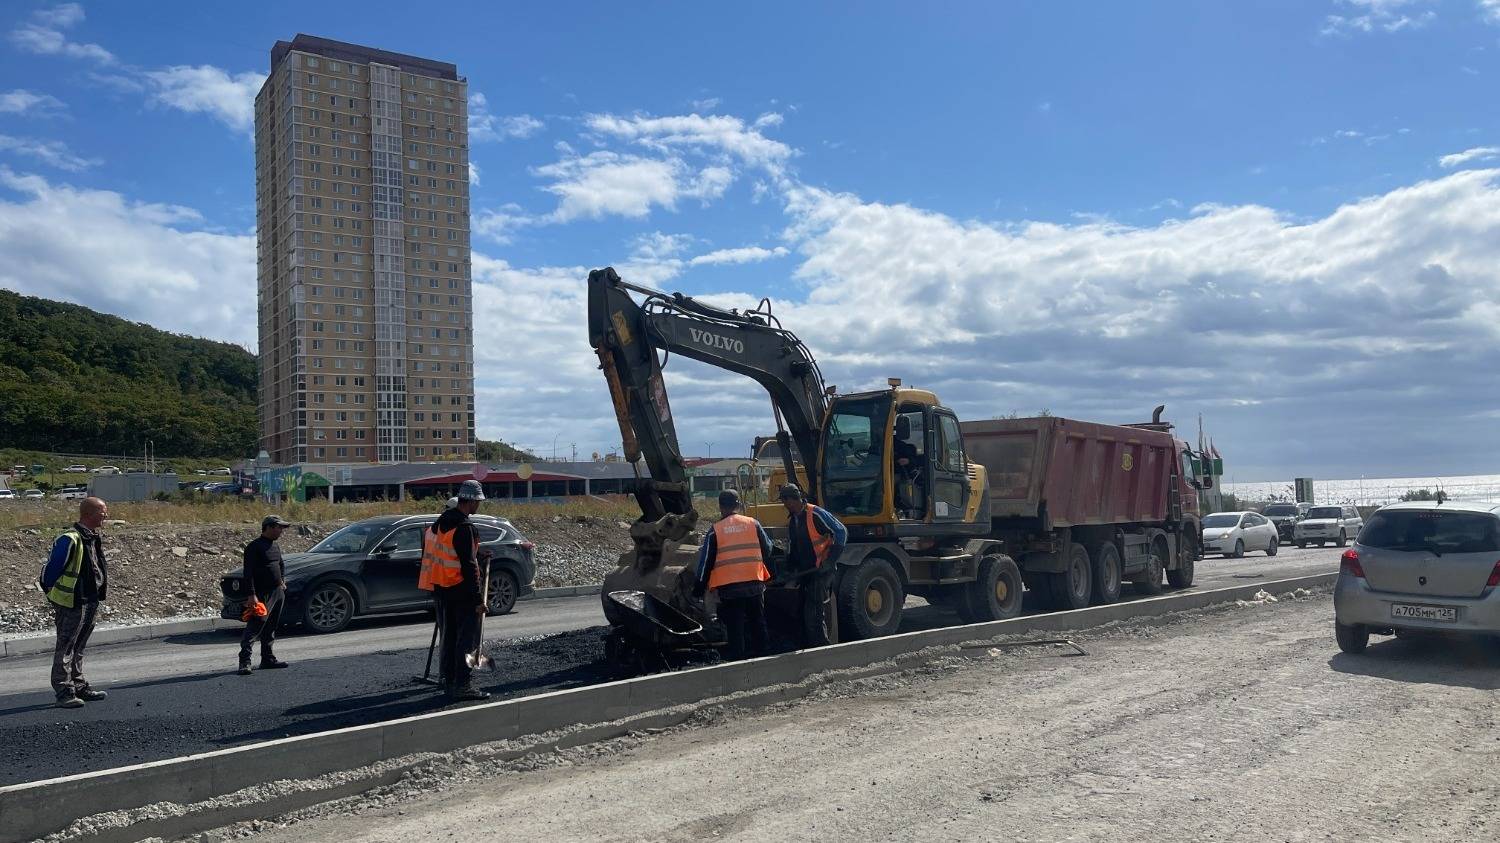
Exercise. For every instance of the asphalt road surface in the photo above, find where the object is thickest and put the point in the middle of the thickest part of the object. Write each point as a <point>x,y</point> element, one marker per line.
<point>1236,723</point>
<point>180,695</point>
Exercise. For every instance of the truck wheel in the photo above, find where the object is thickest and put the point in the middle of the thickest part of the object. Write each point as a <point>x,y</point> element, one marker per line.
<point>1182,577</point>
<point>1106,570</point>
<point>870,600</point>
<point>1352,638</point>
<point>1072,588</point>
<point>1149,580</point>
<point>996,594</point>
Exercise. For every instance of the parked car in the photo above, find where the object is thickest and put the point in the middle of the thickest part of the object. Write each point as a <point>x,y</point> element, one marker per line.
<point>72,493</point>
<point>224,471</point>
<point>33,494</point>
<point>75,468</point>
<point>7,495</point>
<point>107,469</point>
<point>1324,524</point>
<point>371,567</point>
<point>1420,566</point>
<point>1285,516</point>
<point>1234,533</point>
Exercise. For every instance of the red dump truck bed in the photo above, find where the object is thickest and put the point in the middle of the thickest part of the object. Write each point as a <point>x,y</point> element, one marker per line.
<point>1073,473</point>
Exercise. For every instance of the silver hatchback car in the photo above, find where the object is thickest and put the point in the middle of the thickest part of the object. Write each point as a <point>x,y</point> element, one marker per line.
<point>1420,566</point>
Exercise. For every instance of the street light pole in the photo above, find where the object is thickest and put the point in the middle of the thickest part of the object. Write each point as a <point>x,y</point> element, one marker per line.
<point>710,449</point>
<point>554,447</point>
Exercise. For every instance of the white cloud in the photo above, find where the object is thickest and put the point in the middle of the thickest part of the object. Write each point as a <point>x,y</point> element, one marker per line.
<point>50,152</point>
<point>43,34</point>
<point>1489,10</point>
<point>499,224</point>
<point>704,134</point>
<point>607,183</point>
<point>1379,15</point>
<point>205,89</point>
<point>141,261</point>
<point>473,174</point>
<point>1478,153</point>
<point>30,103</point>
<point>744,254</point>
<point>706,104</point>
<point>484,126</point>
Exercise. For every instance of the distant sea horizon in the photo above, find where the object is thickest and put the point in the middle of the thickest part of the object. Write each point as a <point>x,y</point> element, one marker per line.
<point>1369,491</point>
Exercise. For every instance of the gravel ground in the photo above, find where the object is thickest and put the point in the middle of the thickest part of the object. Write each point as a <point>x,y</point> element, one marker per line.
<point>1235,723</point>
<point>163,573</point>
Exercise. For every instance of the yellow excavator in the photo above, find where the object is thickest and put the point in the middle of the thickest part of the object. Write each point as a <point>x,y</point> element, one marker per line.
<point>890,464</point>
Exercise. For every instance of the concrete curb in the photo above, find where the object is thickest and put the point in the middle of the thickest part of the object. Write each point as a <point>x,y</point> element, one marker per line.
<point>562,591</point>
<point>373,754</point>
<point>30,645</point>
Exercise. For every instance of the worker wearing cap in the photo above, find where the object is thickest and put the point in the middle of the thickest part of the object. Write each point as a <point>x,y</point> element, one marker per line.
<point>450,570</point>
<point>732,561</point>
<point>265,577</point>
<point>814,541</point>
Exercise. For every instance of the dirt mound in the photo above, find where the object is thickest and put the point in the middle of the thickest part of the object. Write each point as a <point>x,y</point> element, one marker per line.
<point>172,571</point>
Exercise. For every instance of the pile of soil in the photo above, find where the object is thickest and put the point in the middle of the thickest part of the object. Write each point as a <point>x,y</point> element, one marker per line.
<point>160,572</point>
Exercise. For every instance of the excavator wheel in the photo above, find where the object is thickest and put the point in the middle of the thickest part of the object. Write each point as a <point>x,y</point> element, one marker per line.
<point>870,600</point>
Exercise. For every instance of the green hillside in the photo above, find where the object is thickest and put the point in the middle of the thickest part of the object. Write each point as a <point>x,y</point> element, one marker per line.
<point>76,381</point>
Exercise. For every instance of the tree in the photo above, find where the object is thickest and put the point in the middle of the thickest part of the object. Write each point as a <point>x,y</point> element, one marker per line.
<point>499,451</point>
<point>1418,495</point>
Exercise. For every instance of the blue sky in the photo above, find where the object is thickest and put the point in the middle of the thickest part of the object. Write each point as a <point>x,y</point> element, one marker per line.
<point>1276,214</point>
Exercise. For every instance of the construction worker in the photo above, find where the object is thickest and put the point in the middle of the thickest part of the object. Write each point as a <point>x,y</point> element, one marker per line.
<point>74,580</point>
<point>265,576</point>
<point>732,561</point>
<point>814,541</point>
<point>450,570</point>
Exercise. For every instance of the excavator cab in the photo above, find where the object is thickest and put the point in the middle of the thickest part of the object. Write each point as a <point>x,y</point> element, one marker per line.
<point>894,459</point>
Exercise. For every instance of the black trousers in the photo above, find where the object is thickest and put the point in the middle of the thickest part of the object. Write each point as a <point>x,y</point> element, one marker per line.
<point>263,628</point>
<point>460,628</point>
<point>73,629</point>
<point>816,590</point>
<point>745,618</point>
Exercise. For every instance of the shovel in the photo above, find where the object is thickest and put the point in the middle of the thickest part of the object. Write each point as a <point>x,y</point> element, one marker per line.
<point>478,659</point>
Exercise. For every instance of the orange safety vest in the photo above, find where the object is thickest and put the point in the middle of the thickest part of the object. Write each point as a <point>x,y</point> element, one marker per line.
<point>439,560</point>
<point>737,556</point>
<point>820,542</point>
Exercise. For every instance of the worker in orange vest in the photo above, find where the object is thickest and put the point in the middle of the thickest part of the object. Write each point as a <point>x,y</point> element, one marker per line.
<point>814,541</point>
<point>732,562</point>
<point>450,570</point>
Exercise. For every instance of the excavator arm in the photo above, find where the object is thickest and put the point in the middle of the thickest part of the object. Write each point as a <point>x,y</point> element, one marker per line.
<point>629,335</point>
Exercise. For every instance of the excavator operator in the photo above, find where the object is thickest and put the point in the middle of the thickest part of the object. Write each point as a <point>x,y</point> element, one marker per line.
<point>909,464</point>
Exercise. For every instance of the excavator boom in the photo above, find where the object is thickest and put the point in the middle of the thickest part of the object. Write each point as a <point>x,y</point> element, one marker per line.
<point>629,335</point>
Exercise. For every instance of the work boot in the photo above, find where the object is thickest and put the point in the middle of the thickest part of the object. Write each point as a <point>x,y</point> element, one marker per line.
<point>69,701</point>
<point>90,695</point>
<point>269,662</point>
<point>469,692</point>
<point>245,666</point>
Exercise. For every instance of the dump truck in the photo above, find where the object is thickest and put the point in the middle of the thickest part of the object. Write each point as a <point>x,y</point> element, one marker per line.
<point>1080,506</point>
<point>1083,507</point>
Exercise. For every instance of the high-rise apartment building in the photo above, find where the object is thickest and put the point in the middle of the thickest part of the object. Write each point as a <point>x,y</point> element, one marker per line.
<point>362,235</point>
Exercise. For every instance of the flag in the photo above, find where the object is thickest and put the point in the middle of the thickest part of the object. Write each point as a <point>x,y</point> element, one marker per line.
<point>1218,461</point>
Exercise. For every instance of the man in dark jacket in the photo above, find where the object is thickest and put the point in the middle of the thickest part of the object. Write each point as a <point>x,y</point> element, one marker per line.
<point>265,575</point>
<point>452,541</point>
<point>75,580</point>
<point>814,541</point>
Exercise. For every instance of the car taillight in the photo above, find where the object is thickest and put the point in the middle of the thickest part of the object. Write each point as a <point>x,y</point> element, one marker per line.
<point>1494,577</point>
<point>1349,564</point>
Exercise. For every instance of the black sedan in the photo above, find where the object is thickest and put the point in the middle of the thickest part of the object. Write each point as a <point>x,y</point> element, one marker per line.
<point>371,568</point>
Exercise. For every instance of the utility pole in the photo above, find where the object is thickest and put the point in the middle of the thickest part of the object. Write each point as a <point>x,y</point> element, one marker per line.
<point>710,449</point>
<point>574,446</point>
